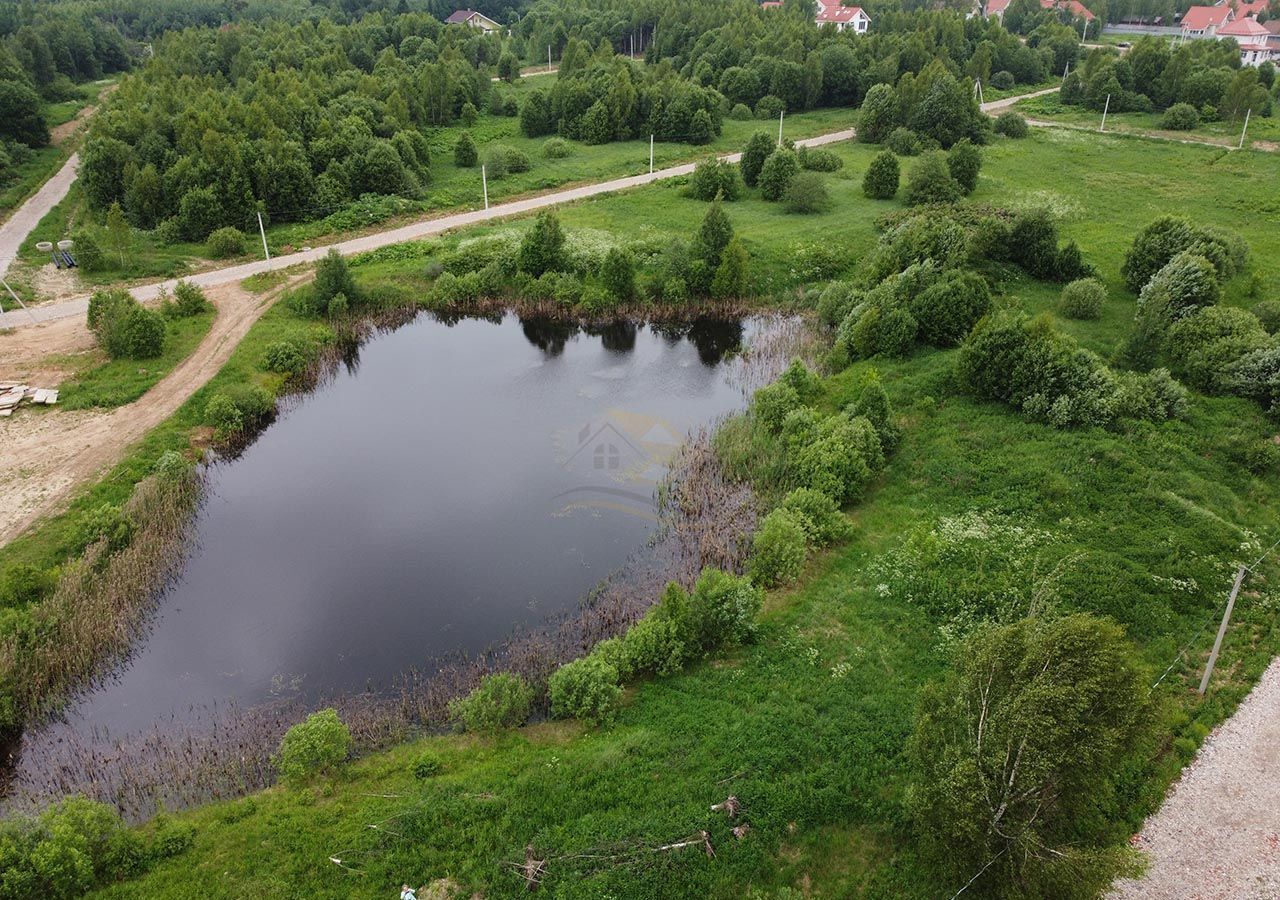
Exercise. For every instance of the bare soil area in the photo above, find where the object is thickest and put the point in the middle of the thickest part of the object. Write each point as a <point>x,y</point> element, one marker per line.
<point>45,355</point>
<point>49,453</point>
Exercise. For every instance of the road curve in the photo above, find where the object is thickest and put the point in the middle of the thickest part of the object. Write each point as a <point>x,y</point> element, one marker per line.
<point>426,228</point>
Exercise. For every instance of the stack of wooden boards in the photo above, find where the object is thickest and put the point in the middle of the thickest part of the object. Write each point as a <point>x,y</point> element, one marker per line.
<point>13,394</point>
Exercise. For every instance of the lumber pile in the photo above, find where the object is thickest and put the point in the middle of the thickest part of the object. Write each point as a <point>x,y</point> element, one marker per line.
<point>13,395</point>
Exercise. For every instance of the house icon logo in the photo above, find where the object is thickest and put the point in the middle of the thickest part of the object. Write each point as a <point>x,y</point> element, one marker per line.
<point>618,460</point>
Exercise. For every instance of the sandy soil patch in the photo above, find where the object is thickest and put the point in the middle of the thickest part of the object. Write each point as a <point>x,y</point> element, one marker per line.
<point>49,453</point>
<point>45,355</point>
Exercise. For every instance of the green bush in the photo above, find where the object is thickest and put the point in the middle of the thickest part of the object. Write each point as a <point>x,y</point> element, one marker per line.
<point>771,404</point>
<point>769,107</point>
<point>715,178</point>
<point>873,405</point>
<point>138,335</point>
<point>652,646</point>
<point>1164,238</point>
<point>1003,80</point>
<point>965,161</point>
<point>556,148</point>
<point>1184,284</point>
<point>723,609</point>
<point>123,328</point>
<point>1203,347</point>
<point>1033,244</point>
<point>105,522</point>
<point>819,160</point>
<point>189,300</point>
<point>807,193</point>
<point>1011,124</point>
<point>1268,313</point>
<point>284,358</point>
<point>882,178</point>
<point>776,175</point>
<point>501,701</point>
<point>740,112</point>
<point>88,253</point>
<point>316,746</point>
<point>226,242</point>
<point>172,465</point>
<point>170,838</point>
<point>903,142</point>
<point>542,246</point>
<point>223,415</point>
<point>495,162</point>
<point>806,384</point>
<point>1083,299</point>
<point>836,456</point>
<point>427,765</point>
<point>947,310</point>
<point>835,302</point>
<point>66,851</point>
<point>819,515</point>
<point>332,278</point>
<point>759,146</point>
<point>517,160</point>
<point>585,689</point>
<point>778,548</point>
<point>930,181</point>
<point>618,274</point>
<point>465,155</point>
<point>879,115</point>
<point>1180,117</point>
<point>23,584</point>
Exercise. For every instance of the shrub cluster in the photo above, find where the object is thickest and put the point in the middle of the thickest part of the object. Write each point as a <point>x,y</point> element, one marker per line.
<point>1166,237</point>
<point>501,701</point>
<point>316,746</point>
<point>776,174</point>
<point>1082,299</point>
<point>882,178</point>
<point>1011,124</point>
<point>713,178</point>
<point>226,242</point>
<point>124,328</point>
<point>1028,365</point>
<point>683,626</point>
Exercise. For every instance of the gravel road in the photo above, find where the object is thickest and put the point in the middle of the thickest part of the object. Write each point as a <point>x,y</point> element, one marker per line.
<point>1217,836</point>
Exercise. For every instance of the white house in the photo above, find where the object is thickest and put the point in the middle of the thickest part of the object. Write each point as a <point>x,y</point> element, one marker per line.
<point>1252,38</point>
<point>845,18</point>
<point>474,19</point>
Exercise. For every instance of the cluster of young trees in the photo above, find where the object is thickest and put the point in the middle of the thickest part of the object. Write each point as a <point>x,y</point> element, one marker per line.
<point>1205,76</point>
<point>45,51</point>
<point>293,120</point>
<point>599,97</point>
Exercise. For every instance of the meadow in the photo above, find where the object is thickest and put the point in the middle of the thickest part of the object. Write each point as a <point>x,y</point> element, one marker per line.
<point>806,726</point>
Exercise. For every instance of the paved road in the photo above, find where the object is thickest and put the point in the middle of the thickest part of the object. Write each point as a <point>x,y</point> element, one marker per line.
<point>427,228</point>
<point>16,228</point>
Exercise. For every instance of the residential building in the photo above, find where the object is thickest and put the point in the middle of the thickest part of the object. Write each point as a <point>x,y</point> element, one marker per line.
<point>1204,21</point>
<point>1253,40</point>
<point>844,18</point>
<point>474,19</point>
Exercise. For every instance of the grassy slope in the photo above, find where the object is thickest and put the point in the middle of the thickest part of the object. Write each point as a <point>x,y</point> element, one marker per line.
<point>815,757</point>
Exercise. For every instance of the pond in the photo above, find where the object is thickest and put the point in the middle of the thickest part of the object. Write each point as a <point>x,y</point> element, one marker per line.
<point>460,479</point>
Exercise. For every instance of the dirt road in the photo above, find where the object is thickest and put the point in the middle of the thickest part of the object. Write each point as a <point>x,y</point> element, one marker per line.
<point>1217,836</point>
<point>417,230</point>
<point>16,228</point>
<point>57,451</point>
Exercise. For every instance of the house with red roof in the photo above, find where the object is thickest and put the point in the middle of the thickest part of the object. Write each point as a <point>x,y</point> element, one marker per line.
<point>1077,9</point>
<point>1252,38</point>
<point>1250,10</point>
<point>474,19</point>
<point>996,8</point>
<point>1204,21</point>
<point>844,18</point>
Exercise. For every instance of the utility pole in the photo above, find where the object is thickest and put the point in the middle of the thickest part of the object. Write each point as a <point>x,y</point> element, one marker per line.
<point>548,57</point>
<point>484,181</point>
<point>1247,113</point>
<point>1104,113</point>
<point>780,115</point>
<point>18,300</point>
<point>1222,629</point>
<point>262,231</point>
<point>650,154</point>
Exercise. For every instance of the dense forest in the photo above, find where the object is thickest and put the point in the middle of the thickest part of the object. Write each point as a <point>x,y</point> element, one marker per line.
<point>298,119</point>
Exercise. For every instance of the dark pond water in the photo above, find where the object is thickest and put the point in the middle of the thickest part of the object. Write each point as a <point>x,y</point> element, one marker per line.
<point>462,479</point>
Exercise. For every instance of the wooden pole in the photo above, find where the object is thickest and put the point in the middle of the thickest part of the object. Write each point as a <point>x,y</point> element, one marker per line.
<point>1247,113</point>
<point>262,231</point>
<point>1222,629</point>
<point>484,180</point>
<point>1104,113</point>
<point>18,300</point>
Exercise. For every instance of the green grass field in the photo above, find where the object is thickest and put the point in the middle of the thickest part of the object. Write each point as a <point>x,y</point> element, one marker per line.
<point>807,726</point>
<point>1262,130</point>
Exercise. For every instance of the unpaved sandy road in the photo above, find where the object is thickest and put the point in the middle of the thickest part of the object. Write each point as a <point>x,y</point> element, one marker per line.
<point>1217,835</point>
<point>48,454</point>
